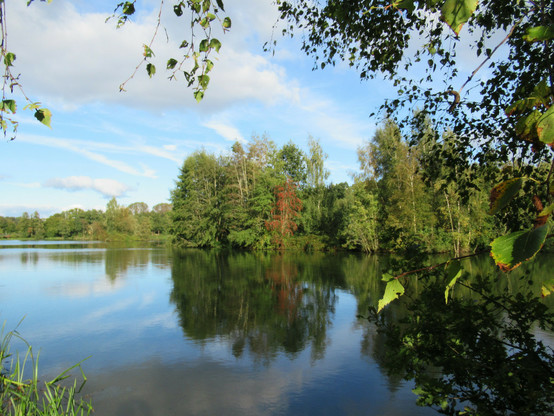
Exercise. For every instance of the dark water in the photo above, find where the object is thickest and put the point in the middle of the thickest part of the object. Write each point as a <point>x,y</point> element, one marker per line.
<point>200,333</point>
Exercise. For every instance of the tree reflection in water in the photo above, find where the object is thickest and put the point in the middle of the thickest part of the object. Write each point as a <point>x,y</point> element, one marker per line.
<point>261,303</point>
<point>480,353</point>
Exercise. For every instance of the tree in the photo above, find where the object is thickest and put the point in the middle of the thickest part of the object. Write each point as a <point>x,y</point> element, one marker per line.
<point>315,164</point>
<point>138,208</point>
<point>317,174</point>
<point>287,208</point>
<point>118,219</point>
<point>24,227</point>
<point>293,163</point>
<point>361,219</point>
<point>160,217</point>
<point>504,118</point>
<point>197,211</point>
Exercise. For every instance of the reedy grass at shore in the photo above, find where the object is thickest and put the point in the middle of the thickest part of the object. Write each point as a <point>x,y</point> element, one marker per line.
<point>21,396</point>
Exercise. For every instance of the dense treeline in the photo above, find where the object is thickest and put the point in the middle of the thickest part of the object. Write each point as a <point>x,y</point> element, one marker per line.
<point>263,197</point>
<point>118,222</point>
<point>260,196</point>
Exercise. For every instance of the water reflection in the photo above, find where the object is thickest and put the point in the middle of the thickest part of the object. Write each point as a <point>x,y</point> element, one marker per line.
<point>204,332</point>
<point>259,304</point>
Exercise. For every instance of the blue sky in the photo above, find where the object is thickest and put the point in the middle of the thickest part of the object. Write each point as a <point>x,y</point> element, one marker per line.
<point>130,145</point>
<point>105,143</point>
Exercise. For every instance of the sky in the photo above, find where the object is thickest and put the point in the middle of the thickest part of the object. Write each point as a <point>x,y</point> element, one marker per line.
<point>104,143</point>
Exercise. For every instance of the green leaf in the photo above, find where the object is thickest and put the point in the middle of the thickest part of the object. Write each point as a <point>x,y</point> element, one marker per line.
<point>44,116</point>
<point>9,58</point>
<point>545,126</point>
<point>204,45</point>
<point>178,9</point>
<point>216,44</point>
<point>393,291</point>
<point>226,23</point>
<point>547,211</point>
<point>503,193</point>
<point>128,8</point>
<point>198,95</point>
<point>539,33</point>
<point>210,16</point>
<point>509,251</point>
<point>171,63</point>
<point>453,273</point>
<point>9,106</point>
<point>407,5</point>
<point>547,288</point>
<point>184,44</point>
<point>526,126</point>
<point>204,80</point>
<point>220,4</point>
<point>457,12</point>
<point>150,69</point>
<point>32,106</point>
<point>148,53</point>
<point>205,23</point>
<point>209,65</point>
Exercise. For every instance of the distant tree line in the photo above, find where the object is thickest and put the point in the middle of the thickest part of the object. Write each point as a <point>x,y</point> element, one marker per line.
<point>118,222</point>
<point>260,196</point>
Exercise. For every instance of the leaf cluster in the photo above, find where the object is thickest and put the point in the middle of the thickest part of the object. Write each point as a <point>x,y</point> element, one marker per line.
<point>203,16</point>
<point>476,354</point>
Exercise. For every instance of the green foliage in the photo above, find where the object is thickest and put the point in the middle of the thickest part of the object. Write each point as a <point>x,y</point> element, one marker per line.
<point>361,219</point>
<point>204,16</point>
<point>503,193</point>
<point>393,290</point>
<point>30,397</point>
<point>477,354</point>
<point>539,33</point>
<point>44,116</point>
<point>11,82</point>
<point>509,251</point>
<point>456,13</point>
<point>545,126</point>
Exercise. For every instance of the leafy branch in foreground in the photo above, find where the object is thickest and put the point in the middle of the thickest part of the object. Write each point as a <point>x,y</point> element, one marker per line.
<point>30,396</point>
<point>8,106</point>
<point>204,15</point>
<point>476,355</point>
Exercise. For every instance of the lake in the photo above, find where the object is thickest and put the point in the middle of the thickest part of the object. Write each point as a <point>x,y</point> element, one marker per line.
<point>202,332</point>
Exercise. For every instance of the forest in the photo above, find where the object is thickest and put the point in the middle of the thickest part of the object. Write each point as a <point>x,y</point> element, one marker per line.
<point>262,197</point>
<point>117,223</point>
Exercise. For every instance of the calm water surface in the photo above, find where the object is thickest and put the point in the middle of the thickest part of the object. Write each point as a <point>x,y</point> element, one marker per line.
<point>202,333</point>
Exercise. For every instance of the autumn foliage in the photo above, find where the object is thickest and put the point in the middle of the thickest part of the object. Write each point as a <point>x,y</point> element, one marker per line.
<point>287,208</point>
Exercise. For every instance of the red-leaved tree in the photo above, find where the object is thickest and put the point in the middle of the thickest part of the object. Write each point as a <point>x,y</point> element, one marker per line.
<point>287,208</point>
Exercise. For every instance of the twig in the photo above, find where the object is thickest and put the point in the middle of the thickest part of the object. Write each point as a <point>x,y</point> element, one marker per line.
<point>456,101</point>
<point>158,24</point>
<point>548,181</point>
<point>429,268</point>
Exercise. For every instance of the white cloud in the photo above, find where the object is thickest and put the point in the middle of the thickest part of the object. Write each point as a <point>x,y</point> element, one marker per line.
<point>76,58</point>
<point>107,187</point>
<point>225,130</point>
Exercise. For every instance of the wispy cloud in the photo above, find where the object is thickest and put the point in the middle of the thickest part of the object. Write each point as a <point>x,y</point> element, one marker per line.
<point>82,147</point>
<point>225,130</point>
<point>107,187</point>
